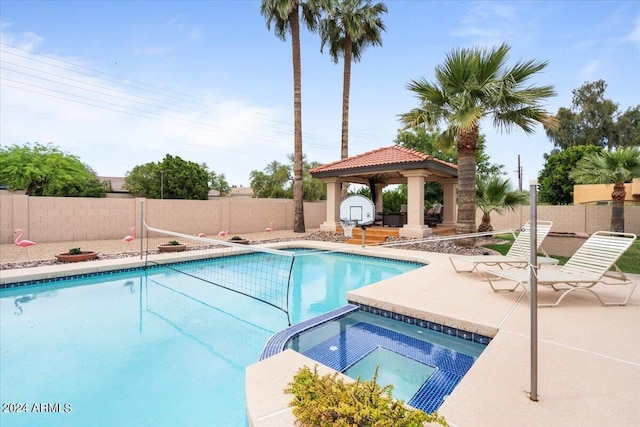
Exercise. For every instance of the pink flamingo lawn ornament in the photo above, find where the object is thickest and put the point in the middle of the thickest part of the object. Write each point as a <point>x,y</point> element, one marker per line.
<point>131,236</point>
<point>23,243</point>
<point>270,227</point>
<point>223,233</point>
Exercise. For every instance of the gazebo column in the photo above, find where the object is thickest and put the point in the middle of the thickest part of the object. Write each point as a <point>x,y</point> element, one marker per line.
<point>378,201</point>
<point>415,228</point>
<point>333,205</point>
<point>450,203</point>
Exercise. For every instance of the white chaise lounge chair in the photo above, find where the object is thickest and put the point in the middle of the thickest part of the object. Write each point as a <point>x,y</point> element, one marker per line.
<point>518,255</point>
<point>589,266</point>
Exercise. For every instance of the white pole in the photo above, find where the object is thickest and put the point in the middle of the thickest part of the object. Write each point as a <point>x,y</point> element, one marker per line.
<point>141,227</point>
<point>533,282</point>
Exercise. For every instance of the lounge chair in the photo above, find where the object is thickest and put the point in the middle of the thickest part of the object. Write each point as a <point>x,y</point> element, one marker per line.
<point>434,216</point>
<point>518,255</point>
<point>589,266</point>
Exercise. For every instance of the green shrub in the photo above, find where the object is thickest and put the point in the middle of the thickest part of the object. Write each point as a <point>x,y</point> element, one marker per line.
<point>328,401</point>
<point>75,251</point>
<point>237,238</point>
<point>174,242</point>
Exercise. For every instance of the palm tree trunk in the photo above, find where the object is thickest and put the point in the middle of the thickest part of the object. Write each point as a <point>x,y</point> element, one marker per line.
<point>485,225</point>
<point>298,209</point>
<point>617,210</point>
<point>346,89</point>
<point>467,144</point>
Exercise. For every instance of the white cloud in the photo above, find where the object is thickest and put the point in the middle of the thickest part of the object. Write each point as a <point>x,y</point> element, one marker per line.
<point>491,23</point>
<point>634,35</point>
<point>25,40</point>
<point>590,72</point>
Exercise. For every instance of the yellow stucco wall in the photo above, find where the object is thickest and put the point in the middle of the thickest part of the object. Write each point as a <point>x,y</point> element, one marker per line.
<point>590,193</point>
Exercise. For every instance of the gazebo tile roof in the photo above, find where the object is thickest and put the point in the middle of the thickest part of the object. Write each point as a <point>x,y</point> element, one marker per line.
<point>394,154</point>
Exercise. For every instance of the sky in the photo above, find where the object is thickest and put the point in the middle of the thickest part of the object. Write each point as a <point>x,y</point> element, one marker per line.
<point>123,83</point>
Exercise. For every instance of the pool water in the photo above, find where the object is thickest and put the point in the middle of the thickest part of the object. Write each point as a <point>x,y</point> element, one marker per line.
<point>406,375</point>
<point>423,365</point>
<point>155,348</point>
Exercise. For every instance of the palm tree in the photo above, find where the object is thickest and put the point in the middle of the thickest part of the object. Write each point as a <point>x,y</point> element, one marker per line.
<point>496,194</point>
<point>610,167</point>
<point>348,28</point>
<point>470,85</point>
<point>285,17</point>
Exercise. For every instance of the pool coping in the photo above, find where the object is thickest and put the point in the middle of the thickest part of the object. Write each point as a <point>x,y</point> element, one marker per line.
<point>49,273</point>
<point>278,341</point>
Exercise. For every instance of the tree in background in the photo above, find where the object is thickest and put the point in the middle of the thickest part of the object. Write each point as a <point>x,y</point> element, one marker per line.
<point>426,140</point>
<point>44,170</point>
<point>610,167</point>
<point>595,120</point>
<point>348,28</point>
<point>314,189</point>
<point>555,187</point>
<point>87,185</point>
<point>472,84</point>
<point>392,200</point>
<point>628,128</point>
<point>218,182</point>
<point>496,194</point>
<point>275,182</point>
<point>173,178</point>
<point>285,17</point>
<point>144,181</point>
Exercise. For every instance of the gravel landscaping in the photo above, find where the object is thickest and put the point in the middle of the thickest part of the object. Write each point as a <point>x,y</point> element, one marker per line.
<point>442,246</point>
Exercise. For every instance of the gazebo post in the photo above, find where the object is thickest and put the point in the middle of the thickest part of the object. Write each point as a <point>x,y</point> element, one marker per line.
<point>415,227</point>
<point>333,204</point>
<point>378,200</point>
<point>449,203</point>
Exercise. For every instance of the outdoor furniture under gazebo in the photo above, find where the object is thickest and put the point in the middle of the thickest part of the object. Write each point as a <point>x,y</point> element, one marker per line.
<point>388,166</point>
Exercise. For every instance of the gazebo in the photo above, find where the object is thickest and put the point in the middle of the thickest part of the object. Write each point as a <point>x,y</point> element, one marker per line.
<point>388,166</point>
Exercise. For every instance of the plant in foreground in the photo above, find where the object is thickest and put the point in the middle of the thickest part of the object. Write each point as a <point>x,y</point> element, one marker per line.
<point>328,401</point>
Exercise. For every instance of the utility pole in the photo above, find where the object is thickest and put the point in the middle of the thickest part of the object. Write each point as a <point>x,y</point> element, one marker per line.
<point>519,173</point>
<point>162,184</point>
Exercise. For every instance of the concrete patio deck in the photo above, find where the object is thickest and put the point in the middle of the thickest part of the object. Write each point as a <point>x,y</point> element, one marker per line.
<point>589,355</point>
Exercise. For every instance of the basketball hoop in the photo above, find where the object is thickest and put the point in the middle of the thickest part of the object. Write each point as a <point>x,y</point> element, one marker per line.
<point>347,227</point>
<point>356,210</point>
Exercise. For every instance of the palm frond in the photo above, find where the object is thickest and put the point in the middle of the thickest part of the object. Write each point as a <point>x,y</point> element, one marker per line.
<point>356,21</point>
<point>497,194</point>
<point>608,167</point>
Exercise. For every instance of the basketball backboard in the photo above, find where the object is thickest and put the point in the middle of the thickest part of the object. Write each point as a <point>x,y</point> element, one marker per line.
<point>357,208</point>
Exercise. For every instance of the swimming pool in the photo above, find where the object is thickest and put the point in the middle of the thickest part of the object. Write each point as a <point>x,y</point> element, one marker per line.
<point>152,348</point>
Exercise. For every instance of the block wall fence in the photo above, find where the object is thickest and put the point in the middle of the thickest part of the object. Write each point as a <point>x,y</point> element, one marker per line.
<point>55,219</point>
<point>571,218</point>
